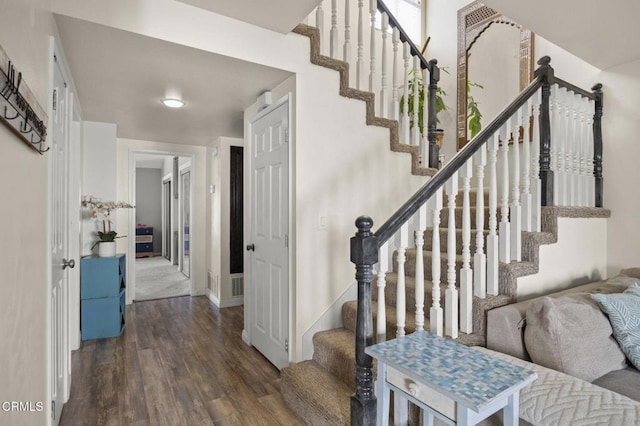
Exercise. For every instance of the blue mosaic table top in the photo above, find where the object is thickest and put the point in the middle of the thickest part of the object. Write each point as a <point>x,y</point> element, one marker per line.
<point>465,375</point>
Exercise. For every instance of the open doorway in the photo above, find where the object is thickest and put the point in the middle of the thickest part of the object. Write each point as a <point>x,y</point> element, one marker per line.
<point>162,200</point>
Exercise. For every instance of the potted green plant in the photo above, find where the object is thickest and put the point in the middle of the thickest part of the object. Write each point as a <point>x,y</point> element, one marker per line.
<point>440,105</point>
<point>473,112</point>
<point>101,211</point>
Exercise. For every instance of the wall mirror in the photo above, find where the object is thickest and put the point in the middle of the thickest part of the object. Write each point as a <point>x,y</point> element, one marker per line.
<point>494,52</point>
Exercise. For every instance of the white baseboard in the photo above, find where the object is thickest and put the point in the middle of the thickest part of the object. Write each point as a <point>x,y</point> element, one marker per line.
<point>234,301</point>
<point>245,337</point>
<point>213,299</point>
<point>332,318</point>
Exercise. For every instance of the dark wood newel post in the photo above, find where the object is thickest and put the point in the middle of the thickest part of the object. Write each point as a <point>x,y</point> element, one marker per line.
<point>597,143</point>
<point>364,253</point>
<point>546,174</point>
<point>432,120</point>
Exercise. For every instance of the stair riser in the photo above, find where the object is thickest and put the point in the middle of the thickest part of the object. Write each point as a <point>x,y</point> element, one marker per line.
<point>444,217</point>
<point>349,319</point>
<point>338,362</point>
<point>444,245</point>
<point>390,294</point>
<point>410,266</point>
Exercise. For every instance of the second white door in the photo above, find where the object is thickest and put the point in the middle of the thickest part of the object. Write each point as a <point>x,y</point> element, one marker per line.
<point>268,237</point>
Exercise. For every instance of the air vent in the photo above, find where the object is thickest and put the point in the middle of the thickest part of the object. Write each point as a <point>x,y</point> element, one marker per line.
<point>237,286</point>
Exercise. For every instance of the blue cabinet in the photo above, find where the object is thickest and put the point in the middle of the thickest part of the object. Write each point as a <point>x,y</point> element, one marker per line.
<point>102,296</point>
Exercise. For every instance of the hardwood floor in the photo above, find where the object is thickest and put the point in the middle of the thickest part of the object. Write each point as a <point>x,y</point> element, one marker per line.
<point>180,361</point>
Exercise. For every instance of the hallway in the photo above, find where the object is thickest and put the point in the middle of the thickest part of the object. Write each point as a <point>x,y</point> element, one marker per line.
<point>180,361</point>
<point>157,278</point>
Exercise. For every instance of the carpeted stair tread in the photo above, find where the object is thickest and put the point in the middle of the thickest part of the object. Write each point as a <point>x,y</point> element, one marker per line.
<point>315,395</point>
<point>349,310</point>
<point>334,350</point>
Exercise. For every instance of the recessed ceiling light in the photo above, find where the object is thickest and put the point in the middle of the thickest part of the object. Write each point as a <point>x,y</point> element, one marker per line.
<point>173,102</point>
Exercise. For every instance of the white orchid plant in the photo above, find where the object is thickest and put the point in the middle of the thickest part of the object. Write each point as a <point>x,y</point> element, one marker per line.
<point>101,211</point>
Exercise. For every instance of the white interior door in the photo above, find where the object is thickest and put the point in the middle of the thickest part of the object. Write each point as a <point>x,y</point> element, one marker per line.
<point>58,229</point>
<point>268,238</point>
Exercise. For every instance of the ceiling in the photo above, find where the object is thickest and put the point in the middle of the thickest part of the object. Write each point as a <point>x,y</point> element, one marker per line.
<point>603,33</point>
<point>277,15</point>
<point>121,77</point>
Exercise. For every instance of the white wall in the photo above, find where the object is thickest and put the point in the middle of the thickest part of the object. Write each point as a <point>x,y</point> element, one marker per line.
<point>125,150</point>
<point>98,174</point>
<point>24,273</point>
<point>579,257</point>
<point>219,220</point>
<point>621,127</point>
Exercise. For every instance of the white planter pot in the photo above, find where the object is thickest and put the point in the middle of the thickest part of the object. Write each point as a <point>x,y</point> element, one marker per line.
<point>107,249</point>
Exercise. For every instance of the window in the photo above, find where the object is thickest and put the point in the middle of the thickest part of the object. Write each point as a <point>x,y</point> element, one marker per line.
<point>408,14</point>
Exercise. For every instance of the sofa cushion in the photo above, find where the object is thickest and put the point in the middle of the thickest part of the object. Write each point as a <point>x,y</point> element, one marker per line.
<point>624,314</point>
<point>631,272</point>
<point>570,334</point>
<point>626,382</point>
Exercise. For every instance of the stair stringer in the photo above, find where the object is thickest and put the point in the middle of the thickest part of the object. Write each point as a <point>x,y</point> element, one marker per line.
<point>369,98</point>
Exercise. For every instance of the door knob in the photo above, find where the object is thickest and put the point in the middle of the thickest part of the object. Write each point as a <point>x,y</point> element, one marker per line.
<point>68,264</point>
<point>251,247</point>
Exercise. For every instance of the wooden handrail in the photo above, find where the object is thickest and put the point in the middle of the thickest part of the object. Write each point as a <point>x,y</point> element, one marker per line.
<point>408,209</point>
<point>574,88</point>
<point>382,8</point>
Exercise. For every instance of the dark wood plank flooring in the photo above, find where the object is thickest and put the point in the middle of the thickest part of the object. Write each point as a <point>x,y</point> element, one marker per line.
<point>180,361</point>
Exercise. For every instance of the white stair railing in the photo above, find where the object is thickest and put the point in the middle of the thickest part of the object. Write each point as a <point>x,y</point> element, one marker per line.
<point>388,71</point>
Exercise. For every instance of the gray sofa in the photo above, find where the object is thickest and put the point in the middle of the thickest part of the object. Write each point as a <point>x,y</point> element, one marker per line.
<point>584,347</point>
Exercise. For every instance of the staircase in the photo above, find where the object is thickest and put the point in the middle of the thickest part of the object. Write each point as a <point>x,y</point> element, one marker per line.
<point>473,263</point>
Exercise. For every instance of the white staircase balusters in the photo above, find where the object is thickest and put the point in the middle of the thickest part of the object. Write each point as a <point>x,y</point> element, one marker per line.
<point>566,154</point>
<point>582,184</point>
<point>480,258</point>
<point>555,116</point>
<point>435,313</point>
<point>525,180</point>
<point>451,294</point>
<point>384,102</point>
<point>515,216</point>
<point>415,131</point>
<point>373,7</point>
<point>360,59</point>
<point>320,25</point>
<point>383,267</point>
<point>346,49</point>
<point>504,229</point>
<point>536,185</point>
<point>561,144</point>
<point>401,305</point>
<point>420,222</point>
<point>591,182</point>
<point>405,121</point>
<point>333,33</point>
<point>574,195</point>
<point>466,274</point>
<point>492,239</point>
<point>395,97</point>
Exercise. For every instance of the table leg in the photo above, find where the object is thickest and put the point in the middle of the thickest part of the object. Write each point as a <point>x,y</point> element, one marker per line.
<point>427,418</point>
<point>382,391</point>
<point>400,409</point>
<point>511,411</point>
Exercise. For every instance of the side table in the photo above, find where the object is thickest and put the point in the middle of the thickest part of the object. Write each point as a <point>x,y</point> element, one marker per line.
<point>448,380</point>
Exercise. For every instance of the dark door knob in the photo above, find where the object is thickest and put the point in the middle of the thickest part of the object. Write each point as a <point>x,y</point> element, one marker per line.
<point>68,264</point>
<point>251,247</point>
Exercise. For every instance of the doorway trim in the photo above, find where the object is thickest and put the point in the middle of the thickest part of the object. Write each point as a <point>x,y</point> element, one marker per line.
<point>247,196</point>
<point>131,241</point>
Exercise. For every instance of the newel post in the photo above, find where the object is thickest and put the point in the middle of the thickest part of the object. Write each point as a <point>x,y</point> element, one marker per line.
<point>364,253</point>
<point>597,144</point>
<point>546,174</point>
<point>432,123</point>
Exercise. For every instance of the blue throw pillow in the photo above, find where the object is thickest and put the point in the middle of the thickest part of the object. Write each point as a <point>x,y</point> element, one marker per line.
<point>623,310</point>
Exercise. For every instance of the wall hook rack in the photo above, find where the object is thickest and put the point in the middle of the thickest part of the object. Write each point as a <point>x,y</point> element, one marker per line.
<point>21,110</point>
